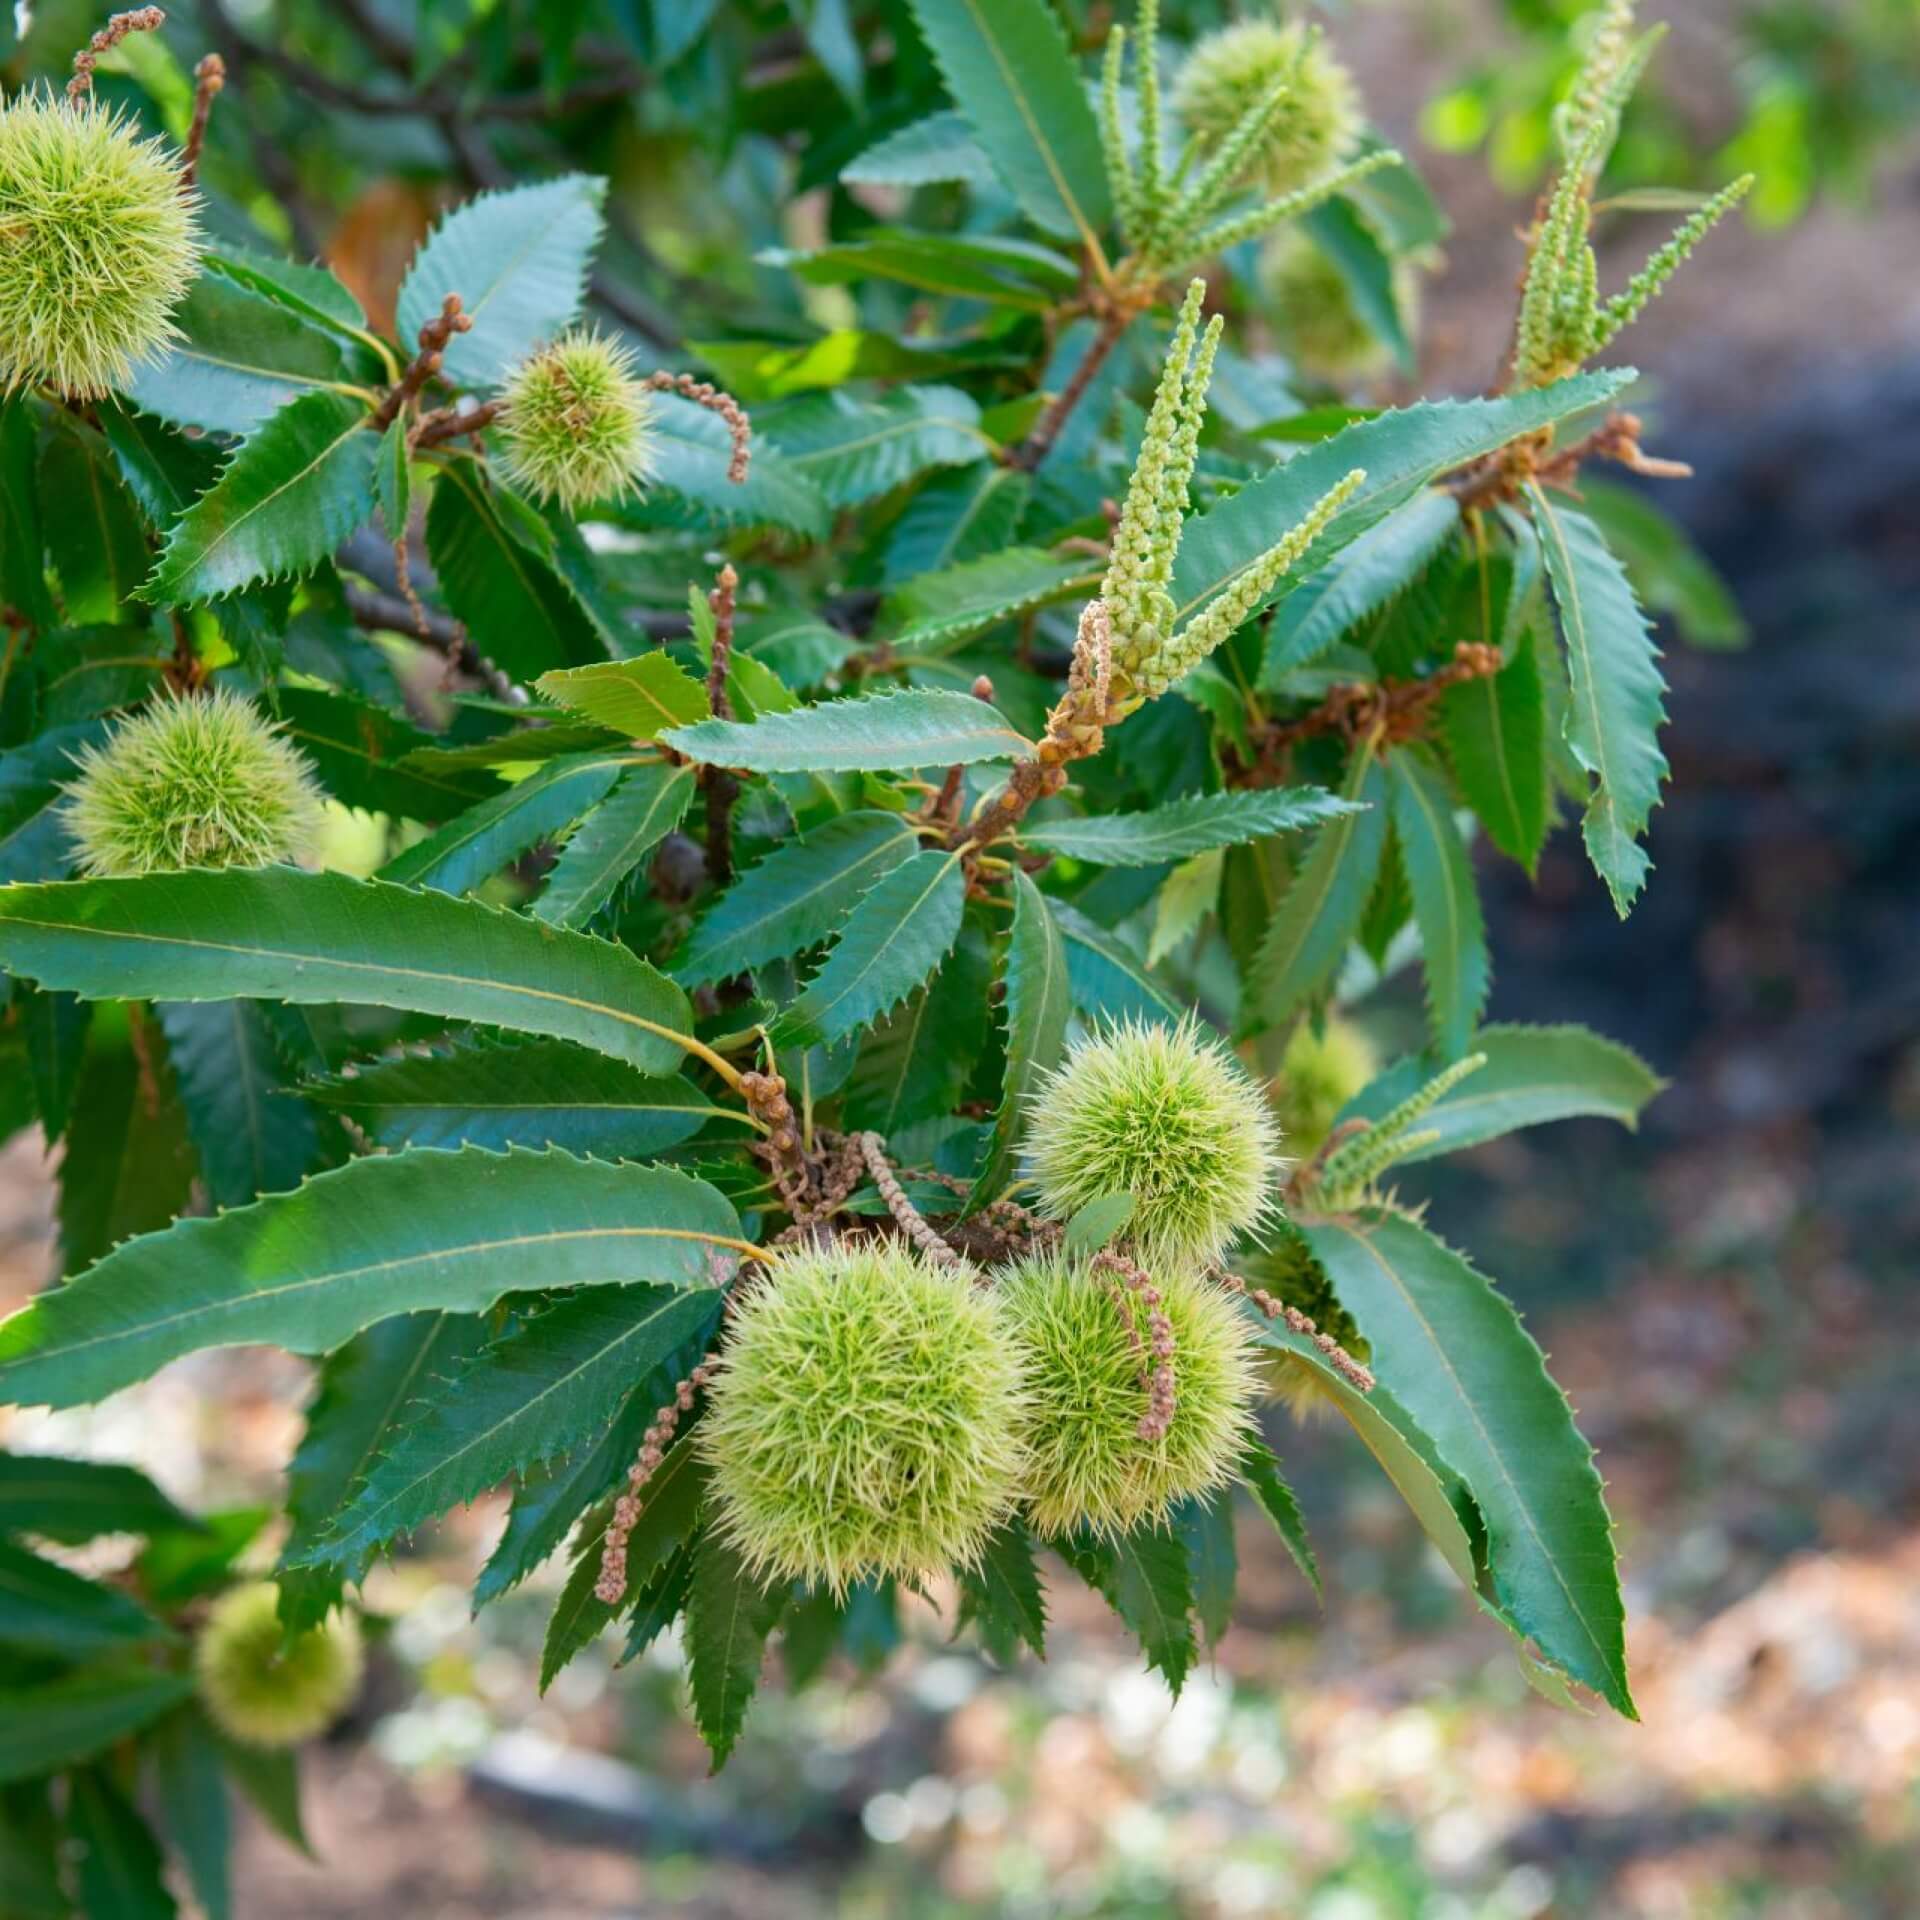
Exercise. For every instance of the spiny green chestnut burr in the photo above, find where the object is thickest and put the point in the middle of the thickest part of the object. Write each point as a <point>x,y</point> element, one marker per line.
<point>264,1689</point>
<point>98,245</point>
<point>1090,1462</point>
<point>1322,1069</point>
<point>196,780</point>
<point>576,424</point>
<point>1169,1116</point>
<point>1313,312</point>
<point>1229,73</point>
<point>863,1421</point>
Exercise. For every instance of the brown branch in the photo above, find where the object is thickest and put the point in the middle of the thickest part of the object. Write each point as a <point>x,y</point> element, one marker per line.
<point>1400,709</point>
<point>425,364</point>
<point>454,423</point>
<point>208,79</point>
<point>1075,731</point>
<point>139,20</point>
<point>1047,429</point>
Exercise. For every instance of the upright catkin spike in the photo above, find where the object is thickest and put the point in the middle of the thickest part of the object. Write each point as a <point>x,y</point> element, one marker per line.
<point>1233,606</point>
<point>1249,226</point>
<point>1358,1162</point>
<point>1587,99</point>
<point>1627,306</point>
<point>1146,63</point>
<point>1541,352</point>
<point>1140,562</point>
<point>1113,140</point>
<point>1211,185</point>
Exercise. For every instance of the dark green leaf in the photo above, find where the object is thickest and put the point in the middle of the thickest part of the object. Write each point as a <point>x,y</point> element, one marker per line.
<point>916,1063</point>
<point>23,579</point>
<point>54,1723</point>
<point>851,449</point>
<point>306,289</point>
<point>650,801</point>
<point>1109,982</point>
<point>892,940</point>
<point>127,1168</point>
<point>1533,1075</point>
<point>309,1269</point>
<point>549,1499</point>
<point>1204,1525</point>
<point>73,1500</point>
<point>311,938</point>
<point>1003,272</point>
<point>468,851</point>
<point>1007,65</point>
<point>638,698</point>
<point>937,610</point>
<point>1402,451</point>
<point>45,1607</point>
<point>1182,828</point>
<point>1000,1596</point>
<point>118,1864</point>
<point>1375,569</point>
<point>55,1027</point>
<point>729,1615</point>
<point>354,745</point>
<point>283,502</point>
<point>796,896</point>
<point>533,1093</point>
<point>876,733</point>
<point>669,1513</point>
<point>1619,699</point>
<point>1263,1477</point>
<point>957,515</point>
<point>31,1846</point>
<point>529,1397</point>
<point>192,1788</point>
<point>518,610</point>
<point>1446,902</point>
<point>241,358</point>
<point>250,1137</point>
<point>364,1400</point>
<point>695,453</point>
<point>1497,740</point>
<point>1322,909</point>
<point>96,541</point>
<point>1143,1577</point>
<point>33,838</point>
<point>1039,996</point>
<point>270,1779</point>
<point>1434,1492</point>
<point>519,262</point>
<point>1455,1352</point>
<point>930,152</point>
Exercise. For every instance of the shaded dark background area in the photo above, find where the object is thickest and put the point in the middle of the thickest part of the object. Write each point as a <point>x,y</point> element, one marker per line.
<point>1729,1297</point>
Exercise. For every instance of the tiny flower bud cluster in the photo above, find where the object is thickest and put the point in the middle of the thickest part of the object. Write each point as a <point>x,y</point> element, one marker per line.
<point>1562,319</point>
